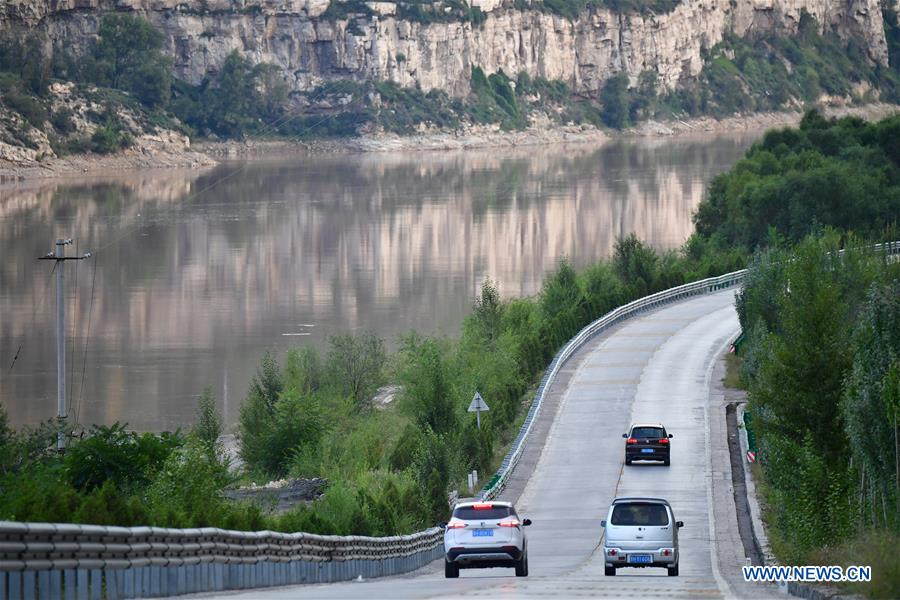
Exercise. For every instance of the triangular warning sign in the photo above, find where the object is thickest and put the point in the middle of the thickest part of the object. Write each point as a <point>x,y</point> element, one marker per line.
<point>478,404</point>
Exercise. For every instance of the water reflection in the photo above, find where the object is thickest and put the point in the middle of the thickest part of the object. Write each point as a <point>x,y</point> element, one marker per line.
<point>196,273</point>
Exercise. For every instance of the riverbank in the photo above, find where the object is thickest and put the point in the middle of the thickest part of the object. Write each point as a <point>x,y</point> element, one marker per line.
<point>542,132</point>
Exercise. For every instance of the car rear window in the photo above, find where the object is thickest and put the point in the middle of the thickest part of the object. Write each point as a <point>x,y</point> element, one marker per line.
<point>640,514</point>
<point>648,432</point>
<point>470,513</point>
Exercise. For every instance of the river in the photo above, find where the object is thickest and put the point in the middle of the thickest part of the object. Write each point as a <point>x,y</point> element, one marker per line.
<point>195,274</point>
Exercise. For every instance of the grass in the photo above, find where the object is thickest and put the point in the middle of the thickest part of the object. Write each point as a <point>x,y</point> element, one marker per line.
<point>733,372</point>
<point>875,549</point>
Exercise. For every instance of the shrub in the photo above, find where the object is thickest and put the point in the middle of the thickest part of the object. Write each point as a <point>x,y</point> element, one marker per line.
<point>355,365</point>
<point>63,121</point>
<point>426,384</point>
<point>110,138</point>
<point>208,427</point>
<point>186,492</point>
<point>110,453</point>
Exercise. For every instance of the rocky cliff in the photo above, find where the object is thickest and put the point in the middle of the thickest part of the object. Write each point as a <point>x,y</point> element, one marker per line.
<point>313,49</point>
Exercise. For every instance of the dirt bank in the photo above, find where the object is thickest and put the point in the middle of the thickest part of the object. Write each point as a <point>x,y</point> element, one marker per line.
<point>543,132</point>
<point>539,134</point>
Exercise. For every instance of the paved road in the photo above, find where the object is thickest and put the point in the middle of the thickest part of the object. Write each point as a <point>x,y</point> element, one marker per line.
<point>654,368</point>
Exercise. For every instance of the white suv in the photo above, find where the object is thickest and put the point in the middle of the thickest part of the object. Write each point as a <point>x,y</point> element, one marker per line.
<point>485,534</point>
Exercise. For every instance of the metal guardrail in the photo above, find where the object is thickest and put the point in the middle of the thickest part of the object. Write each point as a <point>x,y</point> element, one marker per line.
<point>44,560</point>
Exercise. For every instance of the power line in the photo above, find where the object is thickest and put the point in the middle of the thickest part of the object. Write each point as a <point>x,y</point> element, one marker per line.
<point>86,338</point>
<point>74,302</point>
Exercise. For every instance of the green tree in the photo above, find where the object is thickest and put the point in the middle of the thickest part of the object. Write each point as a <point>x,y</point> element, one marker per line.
<point>128,57</point>
<point>426,384</point>
<point>635,264</point>
<point>272,88</point>
<point>303,370</point>
<point>235,98</point>
<point>355,365</point>
<point>208,427</point>
<point>870,403</point>
<point>614,98</point>
<point>487,313</point>
<point>562,307</point>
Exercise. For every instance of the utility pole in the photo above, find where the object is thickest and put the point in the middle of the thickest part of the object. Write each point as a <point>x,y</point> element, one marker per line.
<point>60,257</point>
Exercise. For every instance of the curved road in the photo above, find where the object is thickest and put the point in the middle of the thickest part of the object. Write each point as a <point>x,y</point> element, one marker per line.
<point>656,367</point>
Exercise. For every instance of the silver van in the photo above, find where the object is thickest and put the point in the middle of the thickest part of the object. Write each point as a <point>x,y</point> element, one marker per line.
<point>641,532</point>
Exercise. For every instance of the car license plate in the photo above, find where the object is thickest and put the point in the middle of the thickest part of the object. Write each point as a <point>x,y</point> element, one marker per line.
<point>640,558</point>
<point>647,450</point>
<point>483,533</point>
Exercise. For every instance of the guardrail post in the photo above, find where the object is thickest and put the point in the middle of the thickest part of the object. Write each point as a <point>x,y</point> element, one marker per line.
<point>81,585</point>
<point>29,584</point>
<point>55,585</point>
<point>43,585</point>
<point>15,584</point>
<point>168,582</point>
<point>113,589</point>
<point>152,581</point>
<point>96,584</point>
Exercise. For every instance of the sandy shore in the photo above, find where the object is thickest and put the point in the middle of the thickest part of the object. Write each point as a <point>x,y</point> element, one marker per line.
<point>207,153</point>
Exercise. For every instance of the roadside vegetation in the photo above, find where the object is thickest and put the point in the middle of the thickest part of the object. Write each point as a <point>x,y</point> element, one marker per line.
<point>822,352</point>
<point>823,372</point>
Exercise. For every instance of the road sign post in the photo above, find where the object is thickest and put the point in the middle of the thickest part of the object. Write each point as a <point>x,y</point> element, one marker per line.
<point>476,406</point>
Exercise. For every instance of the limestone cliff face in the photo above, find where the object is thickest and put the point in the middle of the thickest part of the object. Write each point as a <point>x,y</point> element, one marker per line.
<point>313,50</point>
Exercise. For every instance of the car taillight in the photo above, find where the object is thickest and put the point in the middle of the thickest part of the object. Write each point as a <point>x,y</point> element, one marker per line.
<point>509,523</point>
<point>612,552</point>
<point>483,506</point>
<point>664,440</point>
<point>666,552</point>
<point>631,441</point>
<point>456,525</point>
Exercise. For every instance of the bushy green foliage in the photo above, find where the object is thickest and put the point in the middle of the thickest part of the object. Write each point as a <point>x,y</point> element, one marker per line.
<point>186,492</point>
<point>356,364</point>
<point>840,173</point>
<point>614,98</point>
<point>445,11</point>
<point>113,454</point>
<point>561,304</point>
<point>208,427</point>
<point>800,306</point>
<point>426,384</point>
<point>493,100</point>
<point>275,422</point>
<point>27,59</point>
<point>767,73</point>
<point>128,57</point>
<point>402,109</point>
<point>110,138</point>
<point>871,404</point>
